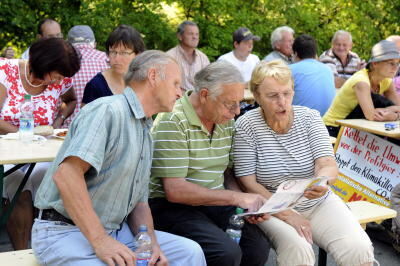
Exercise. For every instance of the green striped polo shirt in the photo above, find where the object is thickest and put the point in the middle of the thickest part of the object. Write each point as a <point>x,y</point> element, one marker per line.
<point>183,147</point>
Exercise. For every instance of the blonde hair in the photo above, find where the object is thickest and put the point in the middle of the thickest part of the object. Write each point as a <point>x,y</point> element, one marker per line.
<point>276,69</point>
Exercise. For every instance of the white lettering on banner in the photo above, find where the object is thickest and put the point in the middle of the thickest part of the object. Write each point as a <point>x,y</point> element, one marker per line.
<point>369,160</point>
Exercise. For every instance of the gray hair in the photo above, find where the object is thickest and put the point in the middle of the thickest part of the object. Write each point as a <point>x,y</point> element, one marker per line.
<point>141,64</point>
<point>276,35</point>
<point>181,27</point>
<point>342,32</point>
<point>216,74</point>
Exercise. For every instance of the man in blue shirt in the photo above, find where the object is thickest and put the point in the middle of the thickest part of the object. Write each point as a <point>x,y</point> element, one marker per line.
<point>314,85</point>
<point>94,196</point>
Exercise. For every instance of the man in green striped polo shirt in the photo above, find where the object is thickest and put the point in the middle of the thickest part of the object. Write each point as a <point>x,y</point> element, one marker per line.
<point>192,190</point>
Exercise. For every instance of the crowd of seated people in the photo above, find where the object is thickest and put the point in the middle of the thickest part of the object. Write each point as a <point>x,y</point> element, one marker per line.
<point>195,165</point>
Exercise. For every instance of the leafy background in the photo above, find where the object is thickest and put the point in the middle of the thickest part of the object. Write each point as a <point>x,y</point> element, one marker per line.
<point>368,21</point>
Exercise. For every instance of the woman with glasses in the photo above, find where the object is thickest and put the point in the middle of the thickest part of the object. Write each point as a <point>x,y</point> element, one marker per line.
<point>46,77</point>
<point>279,142</point>
<point>123,44</point>
<point>370,92</point>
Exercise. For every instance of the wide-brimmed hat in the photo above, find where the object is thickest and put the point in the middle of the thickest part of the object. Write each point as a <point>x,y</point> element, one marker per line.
<point>244,34</point>
<point>384,50</point>
<point>81,34</point>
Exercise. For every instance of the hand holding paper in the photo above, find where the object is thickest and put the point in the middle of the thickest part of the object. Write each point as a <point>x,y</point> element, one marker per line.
<point>289,193</point>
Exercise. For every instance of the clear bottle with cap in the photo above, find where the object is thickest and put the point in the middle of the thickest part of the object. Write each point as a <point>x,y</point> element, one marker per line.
<point>235,226</point>
<point>144,249</point>
<point>26,121</point>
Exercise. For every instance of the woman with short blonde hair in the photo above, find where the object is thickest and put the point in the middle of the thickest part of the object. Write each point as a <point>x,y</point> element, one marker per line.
<point>279,142</point>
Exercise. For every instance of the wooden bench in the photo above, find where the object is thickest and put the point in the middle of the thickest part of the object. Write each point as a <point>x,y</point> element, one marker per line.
<point>365,212</point>
<point>20,258</point>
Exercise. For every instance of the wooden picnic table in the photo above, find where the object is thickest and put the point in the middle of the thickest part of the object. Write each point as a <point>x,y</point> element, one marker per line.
<point>18,153</point>
<point>371,127</point>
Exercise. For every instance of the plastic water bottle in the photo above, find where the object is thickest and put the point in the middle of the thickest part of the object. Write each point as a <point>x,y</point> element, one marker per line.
<point>26,122</point>
<point>236,223</point>
<point>143,251</point>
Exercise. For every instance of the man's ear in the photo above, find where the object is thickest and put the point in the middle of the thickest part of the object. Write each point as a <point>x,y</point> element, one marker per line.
<point>179,36</point>
<point>152,75</point>
<point>235,44</point>
<point>203,93</point>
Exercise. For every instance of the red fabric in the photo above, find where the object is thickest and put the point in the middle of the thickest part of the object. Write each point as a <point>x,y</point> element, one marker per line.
<point>45,103</point>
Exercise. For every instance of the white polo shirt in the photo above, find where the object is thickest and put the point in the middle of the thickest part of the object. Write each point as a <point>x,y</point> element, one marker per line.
<point>245,67</point>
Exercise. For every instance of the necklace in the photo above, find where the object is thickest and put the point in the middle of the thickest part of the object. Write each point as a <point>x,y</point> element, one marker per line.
<point>27,80</point>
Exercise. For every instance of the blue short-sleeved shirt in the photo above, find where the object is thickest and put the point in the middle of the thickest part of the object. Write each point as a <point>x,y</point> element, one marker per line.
<point>96,88</point>
<point>314,86</point>
<point>112,135</point>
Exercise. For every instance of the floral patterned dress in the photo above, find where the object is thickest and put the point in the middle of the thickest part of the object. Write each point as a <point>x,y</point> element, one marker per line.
<point>46,104</point>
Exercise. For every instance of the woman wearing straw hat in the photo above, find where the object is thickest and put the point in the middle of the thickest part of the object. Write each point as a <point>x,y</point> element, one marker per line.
<point>370,92</point>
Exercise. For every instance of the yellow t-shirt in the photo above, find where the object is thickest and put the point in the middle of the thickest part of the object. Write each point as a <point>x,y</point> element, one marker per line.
<point>346,100</point>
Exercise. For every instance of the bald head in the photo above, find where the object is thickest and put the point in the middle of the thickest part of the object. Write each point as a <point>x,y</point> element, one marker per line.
<point>395,39</point>
<point>49,28</point>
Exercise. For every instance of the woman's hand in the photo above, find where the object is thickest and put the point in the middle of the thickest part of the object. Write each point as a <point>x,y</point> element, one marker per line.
<point>58,122</point>
<point>301,224</point>
<point>315,192</point>
<point>385,114</point>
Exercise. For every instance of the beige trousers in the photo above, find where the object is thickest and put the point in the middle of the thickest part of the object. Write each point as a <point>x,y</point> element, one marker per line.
<point>334,229</point>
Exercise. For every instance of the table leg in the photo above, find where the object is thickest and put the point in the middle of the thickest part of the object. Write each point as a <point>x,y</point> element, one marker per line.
<point>1,188</point>
<point>4,216</point>
<point>322,257</point>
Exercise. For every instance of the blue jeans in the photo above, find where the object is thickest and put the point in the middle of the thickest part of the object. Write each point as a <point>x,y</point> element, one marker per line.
<point>58,243</point>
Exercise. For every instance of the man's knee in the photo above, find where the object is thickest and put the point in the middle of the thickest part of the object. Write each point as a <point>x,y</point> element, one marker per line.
<point>229,254</point>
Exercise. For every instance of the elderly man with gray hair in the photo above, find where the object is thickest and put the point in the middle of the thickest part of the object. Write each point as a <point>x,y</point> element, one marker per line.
<point>93,198</point>
<point>282,39</point>
<point>342,61</point>
<point>192,189</point>
<point>186,53</point>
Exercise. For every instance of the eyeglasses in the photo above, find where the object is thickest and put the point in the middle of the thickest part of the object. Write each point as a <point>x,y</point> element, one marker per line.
<point>276,96</point>
<point>231,107</point>
<point>123,53</point>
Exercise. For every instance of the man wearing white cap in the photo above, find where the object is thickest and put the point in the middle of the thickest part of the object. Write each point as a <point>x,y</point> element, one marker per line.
<point>92,62</point>
<point>241,56</point>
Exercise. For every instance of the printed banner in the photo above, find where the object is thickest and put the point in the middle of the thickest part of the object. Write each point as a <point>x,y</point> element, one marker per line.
<point>369,167</point>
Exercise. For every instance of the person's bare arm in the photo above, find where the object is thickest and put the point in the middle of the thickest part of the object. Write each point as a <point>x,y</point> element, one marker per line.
<point>70,181</point>
<point>363,93</point>
<point>392,95</point>
<point>141,214</point>
<point>178,190</point>
<point>69,102</point>
<point>230,181</point>
<point>297,221</point>
<point>5,127</point>
<point>324,166</point>
<point>339,82</point>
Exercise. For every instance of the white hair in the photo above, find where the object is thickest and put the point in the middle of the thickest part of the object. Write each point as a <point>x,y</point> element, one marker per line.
<point>343,33</point>
<point>276,35</point>
<point>216,74</point>
<point>141,64</point>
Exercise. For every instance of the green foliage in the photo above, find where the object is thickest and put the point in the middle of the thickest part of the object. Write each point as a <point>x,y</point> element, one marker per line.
<point>368,21</point>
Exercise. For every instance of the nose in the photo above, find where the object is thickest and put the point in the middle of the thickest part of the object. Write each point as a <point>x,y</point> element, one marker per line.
<point>237,109</point>
<point>281,100</point>
<point>179,92</point>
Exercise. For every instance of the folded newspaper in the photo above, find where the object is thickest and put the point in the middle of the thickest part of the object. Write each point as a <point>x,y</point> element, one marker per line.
<point>288,195</point>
